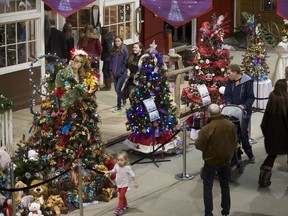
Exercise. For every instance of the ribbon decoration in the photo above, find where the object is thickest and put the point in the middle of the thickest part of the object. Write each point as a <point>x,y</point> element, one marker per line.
<point>67,7</point>
<point>282,8</point>
<point>178,12</point>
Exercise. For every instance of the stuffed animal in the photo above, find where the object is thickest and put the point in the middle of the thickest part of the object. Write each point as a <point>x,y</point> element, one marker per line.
<point>19,194</point>
<point>34,209</point>
<point>33,155</point>
<point>40,193</point>
<point>5,159</point>
<point>56,203</point>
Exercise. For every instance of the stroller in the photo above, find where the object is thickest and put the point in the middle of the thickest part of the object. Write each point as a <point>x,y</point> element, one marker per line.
<point>235,114</point>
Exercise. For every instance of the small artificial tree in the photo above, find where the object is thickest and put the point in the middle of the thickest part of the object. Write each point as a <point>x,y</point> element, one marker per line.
<point>209,65</point>
<point>151,82</point>
<point>254,59</point>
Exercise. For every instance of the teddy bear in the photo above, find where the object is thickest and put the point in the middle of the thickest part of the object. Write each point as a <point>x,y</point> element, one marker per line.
<point>33,155</point>
<point>40,193</point>
<point>5,159</point>
<point>56,203</point>
<point>34,209</point>
<point>19,194</point>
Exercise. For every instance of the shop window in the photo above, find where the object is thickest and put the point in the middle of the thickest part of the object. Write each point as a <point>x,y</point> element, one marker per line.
<point>9,6</point>
<point>269,5</point>
<point>78,21</point>
<point>119,20</point>
<point>17,43</point>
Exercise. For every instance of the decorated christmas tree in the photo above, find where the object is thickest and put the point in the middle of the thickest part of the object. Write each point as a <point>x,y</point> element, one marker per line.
<point>152,112</point>
<point>209,65</point>
<point>65,130</point>
<point>254,60</point>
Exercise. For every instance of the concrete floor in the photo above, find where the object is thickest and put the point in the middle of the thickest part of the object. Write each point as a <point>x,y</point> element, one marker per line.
<point>159,193</point>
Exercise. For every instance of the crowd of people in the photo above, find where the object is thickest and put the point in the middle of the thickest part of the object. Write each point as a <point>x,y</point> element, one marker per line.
<point>118,65</point>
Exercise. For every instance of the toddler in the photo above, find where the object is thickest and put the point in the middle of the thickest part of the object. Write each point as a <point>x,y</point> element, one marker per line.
<point>123,172</point>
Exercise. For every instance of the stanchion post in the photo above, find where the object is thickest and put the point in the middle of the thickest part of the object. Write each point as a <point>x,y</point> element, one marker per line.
<point>11,166</point>
<point>184,175</point>
<point>79,163</point>
<point>251,140</point>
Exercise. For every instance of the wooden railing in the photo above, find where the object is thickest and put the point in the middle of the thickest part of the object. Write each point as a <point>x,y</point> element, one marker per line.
<point>177,74</point>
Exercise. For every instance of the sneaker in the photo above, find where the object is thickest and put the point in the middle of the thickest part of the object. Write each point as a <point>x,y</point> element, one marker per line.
<point>125,207</point>
<point>116,110</point>
<point>250,156</point>
<point>118,211</point>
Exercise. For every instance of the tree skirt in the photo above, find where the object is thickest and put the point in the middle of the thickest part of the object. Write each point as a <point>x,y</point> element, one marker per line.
<point>144,143</point>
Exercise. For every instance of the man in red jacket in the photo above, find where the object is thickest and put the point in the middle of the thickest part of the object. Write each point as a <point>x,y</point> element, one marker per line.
<point>217,141</point>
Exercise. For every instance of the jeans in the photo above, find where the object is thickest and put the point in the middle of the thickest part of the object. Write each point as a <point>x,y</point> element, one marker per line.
<point>245,135</point>
<point>208,175</point>
<point>122,198</point>
<point>118,83</point>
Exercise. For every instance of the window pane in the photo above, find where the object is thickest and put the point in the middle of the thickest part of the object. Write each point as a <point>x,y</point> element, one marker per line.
<point>106,18</point>
<point>11,55</point>
<point>127,12</point>
<point>21,32</point>
<point>2,35</point>
<point>128,31</point>
<point>11,33</point>
<point>21,53</point>
<point>113,15</point>
<point>31,30</point>
<point>121,13</point>
<point>84,17</point>
<point>31,51</point>
<point>113,30</point>
<point>2,57</point>
<point>122,31</point>
<point>9,6</point>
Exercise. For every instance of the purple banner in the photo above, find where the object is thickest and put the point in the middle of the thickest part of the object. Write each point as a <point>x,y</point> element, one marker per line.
<point>178,12</point>
<point>282,8</point>
<point>67,7</point>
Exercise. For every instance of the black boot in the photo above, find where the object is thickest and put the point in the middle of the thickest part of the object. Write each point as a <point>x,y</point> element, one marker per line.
<point>265,175</point>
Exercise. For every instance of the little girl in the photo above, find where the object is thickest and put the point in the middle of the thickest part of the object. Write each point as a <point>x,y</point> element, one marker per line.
<point>123,171</point>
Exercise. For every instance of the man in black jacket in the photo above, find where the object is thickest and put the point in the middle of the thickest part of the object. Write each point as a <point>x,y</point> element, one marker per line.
<point>56,43</point>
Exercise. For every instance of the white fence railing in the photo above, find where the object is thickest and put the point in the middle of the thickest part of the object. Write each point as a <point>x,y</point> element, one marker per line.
<point>6,129</point>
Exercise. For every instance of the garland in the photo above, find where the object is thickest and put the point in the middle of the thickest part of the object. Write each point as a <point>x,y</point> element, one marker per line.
<point>5,104</point>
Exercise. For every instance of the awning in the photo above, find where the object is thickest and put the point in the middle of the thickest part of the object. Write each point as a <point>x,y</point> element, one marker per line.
<point>282,8</point>
<point>67,7</point>
<point>178,12</point>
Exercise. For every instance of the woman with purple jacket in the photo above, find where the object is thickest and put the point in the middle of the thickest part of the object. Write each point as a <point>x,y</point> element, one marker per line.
<point>118,67</point>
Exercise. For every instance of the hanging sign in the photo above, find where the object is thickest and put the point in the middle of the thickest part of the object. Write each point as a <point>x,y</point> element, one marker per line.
<point>204,94</point>
<point>151,109</point>
<point>178,12</point>
<point>67,7</point>
<point>282,8</point>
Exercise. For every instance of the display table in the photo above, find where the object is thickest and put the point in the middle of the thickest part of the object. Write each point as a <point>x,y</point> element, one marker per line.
<point>264,89</point>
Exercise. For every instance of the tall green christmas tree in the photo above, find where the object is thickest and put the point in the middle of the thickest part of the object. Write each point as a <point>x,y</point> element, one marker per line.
<point>146,121</point>
<point>65,130</point>
<point>209,66</point>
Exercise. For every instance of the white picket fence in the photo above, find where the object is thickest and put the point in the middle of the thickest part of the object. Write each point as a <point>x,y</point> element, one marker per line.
<point>6,129</point>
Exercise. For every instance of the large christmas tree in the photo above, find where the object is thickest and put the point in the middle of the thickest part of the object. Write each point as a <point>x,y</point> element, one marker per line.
<point>152,84</point>
<point>65,130</point>
<point>209,65</point>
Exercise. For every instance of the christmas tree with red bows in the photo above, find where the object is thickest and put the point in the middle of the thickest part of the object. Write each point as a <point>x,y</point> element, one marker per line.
<point>209,65</point>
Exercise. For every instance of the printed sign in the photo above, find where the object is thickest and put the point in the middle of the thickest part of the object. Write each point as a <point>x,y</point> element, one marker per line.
<point>204,94</point>
<point>151,109</point>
